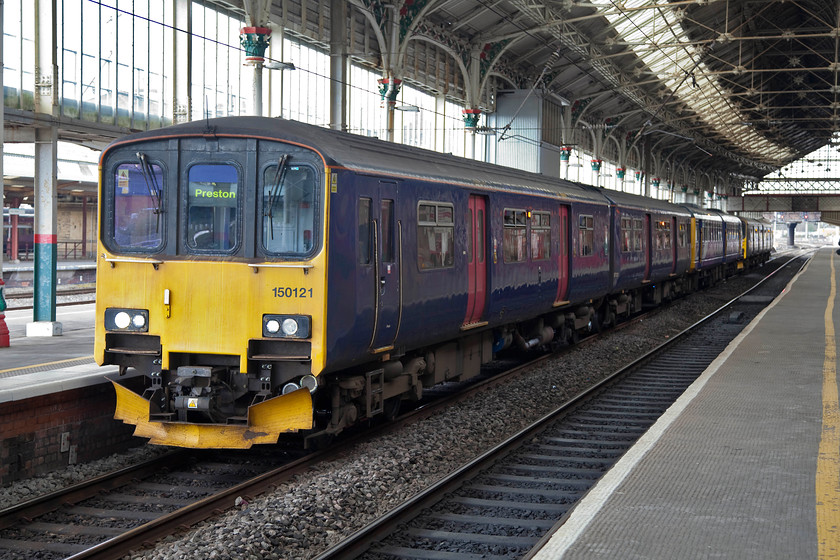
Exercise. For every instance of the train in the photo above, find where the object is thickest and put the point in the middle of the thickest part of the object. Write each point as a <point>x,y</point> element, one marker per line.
<point>260,278</point>
<point>25,231</point>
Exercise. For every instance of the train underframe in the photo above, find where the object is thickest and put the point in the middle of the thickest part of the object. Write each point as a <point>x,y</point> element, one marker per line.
<point>209,392</point>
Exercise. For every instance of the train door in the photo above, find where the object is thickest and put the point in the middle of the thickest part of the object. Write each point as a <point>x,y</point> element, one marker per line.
<point>649,248</point>
<point>563,256</point>
<point>381,280</point>
<point>477,259</point>
<point>674,243</point>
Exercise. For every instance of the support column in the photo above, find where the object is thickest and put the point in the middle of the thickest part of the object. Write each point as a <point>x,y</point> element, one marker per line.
<point>84,226</point>
<point>4,329</point>
<point>14,241</point>
<point>648,167</point>
<point>471,117</point>
<point>255,41</point>
<point>440,124</point>
<point>791,232</point>
<point>46,249</point>
<point>338,65</point>
<point>180,67</point>
<point>389,90</point>
<point>46,168</point>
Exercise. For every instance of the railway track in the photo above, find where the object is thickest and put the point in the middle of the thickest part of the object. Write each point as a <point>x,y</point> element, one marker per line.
<point>23,299</point>
<point>120,511</point>
<point>86,529</point>
<point>502,504</point>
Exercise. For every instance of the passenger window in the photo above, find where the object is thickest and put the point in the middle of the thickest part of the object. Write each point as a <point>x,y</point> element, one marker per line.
<point>586,235</point>
<point>435,235</point>
<point>514,241</point>
<point>364,228</point>
<point>663,235</point>
<point>387,218</point>
<point>138,195</point>
<point>212,207</point>
<point>626,235</point>
<point>540,236</point>
<point>638,229</point>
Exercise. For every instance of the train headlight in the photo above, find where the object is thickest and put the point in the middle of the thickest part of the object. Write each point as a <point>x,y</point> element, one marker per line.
<point>310,382</point>
<point>122,320</point>
<point>131,320</point>
<point>287,326</point>
<point>289,387</point>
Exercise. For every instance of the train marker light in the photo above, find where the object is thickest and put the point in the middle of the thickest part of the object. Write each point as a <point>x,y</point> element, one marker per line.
<point>286,326</point>
<point>290,327</point>
<point>132,320</point>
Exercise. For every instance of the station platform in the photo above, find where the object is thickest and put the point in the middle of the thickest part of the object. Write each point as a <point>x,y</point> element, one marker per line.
<point>746,464</point>
<point>56,404</point>
<point>21,275</point>
<point>36,366</point>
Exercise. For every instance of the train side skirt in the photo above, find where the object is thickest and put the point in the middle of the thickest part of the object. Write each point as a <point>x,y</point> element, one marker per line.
<point>266,421</point>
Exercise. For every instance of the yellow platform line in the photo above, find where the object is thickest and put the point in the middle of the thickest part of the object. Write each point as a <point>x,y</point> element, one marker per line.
<point>45,364</point>
<point>828,461</point>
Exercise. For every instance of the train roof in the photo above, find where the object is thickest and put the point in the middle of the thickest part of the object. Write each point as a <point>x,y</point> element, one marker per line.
<point>638,202</point>
<point>371,155</point>
<point>697,211</point>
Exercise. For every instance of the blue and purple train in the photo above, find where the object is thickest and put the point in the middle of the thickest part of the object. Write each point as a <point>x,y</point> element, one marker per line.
<point>261,277</point>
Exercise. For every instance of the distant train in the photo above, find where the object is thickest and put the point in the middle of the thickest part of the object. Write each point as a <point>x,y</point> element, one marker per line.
<point>270,277</point>
<point>25,230</point>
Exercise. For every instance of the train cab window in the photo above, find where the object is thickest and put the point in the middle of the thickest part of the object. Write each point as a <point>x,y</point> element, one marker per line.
<point>138,195</point>
<point>435,235</point>
<point>212,207</point>
<point>289,209</point>
<point>514,241</point>
<point>363,241</point>
<point>540,236</point>
<point>626,235</point>
<point>586,235</point>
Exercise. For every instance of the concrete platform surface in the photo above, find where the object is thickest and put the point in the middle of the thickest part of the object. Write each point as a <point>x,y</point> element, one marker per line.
<point>746,464</point>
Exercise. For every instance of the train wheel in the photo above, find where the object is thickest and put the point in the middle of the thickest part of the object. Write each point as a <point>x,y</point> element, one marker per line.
<point>391,408</point>
<point>594,325</point>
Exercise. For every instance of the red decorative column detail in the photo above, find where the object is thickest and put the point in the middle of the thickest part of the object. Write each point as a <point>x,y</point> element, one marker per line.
<point>4,329</point>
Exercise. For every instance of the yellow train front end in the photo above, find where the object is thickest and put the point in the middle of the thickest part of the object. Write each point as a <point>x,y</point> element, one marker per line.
<point>211,286</point>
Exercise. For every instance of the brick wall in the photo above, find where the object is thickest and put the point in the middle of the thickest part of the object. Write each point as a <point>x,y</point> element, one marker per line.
<point>52,431</point>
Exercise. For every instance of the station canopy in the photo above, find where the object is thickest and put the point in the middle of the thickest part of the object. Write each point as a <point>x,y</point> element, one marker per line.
<point>741,87</point>
<point>754,83</point>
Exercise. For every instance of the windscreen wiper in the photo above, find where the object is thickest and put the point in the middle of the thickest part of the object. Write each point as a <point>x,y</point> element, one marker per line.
<point>151,185</point>
<point>276,191</point>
